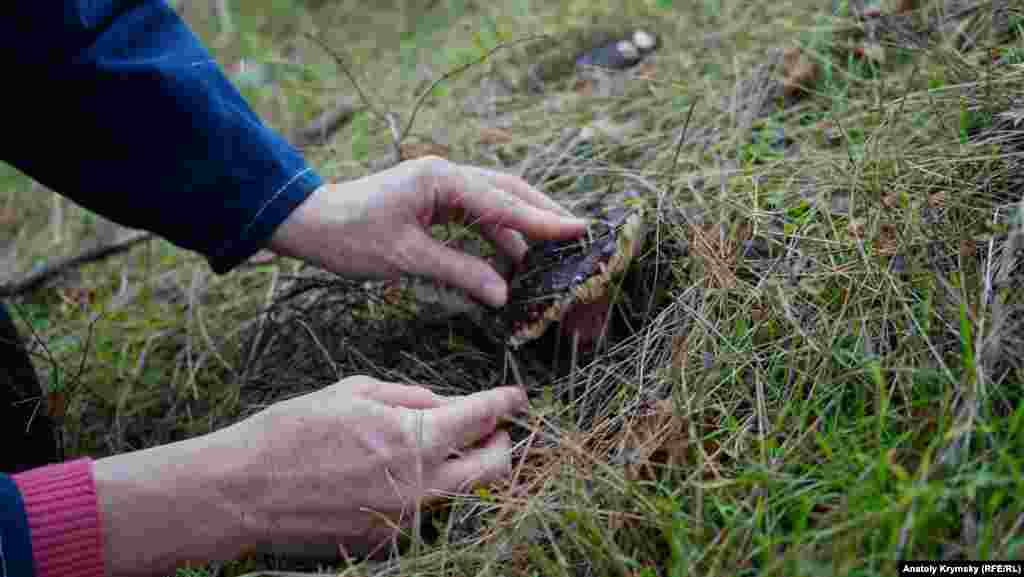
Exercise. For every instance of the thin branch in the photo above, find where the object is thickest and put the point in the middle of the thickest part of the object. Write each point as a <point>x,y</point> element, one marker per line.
<point>459,70</point>
<point>326,124</point>
<point>390,118</point>
<point>344,68</point>
<point>35,279</point>
<point>682,138</point>
<point>396,137</point>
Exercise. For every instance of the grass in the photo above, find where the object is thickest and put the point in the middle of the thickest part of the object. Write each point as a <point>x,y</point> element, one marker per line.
<point>851,398</point>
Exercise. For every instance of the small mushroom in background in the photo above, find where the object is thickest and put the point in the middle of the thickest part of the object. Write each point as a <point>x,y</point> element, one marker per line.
<point>619,54</point>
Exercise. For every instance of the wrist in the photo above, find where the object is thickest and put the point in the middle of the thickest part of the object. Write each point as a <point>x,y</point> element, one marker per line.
<point>161,508</point>
<point>289,236</point>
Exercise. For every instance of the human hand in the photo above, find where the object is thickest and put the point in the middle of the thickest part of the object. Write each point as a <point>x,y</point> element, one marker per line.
<point>343,465</point>
<point>379,226</point>
<point>348,463</point>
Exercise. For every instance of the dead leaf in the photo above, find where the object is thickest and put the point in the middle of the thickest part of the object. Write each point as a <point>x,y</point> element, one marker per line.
<point>891,200</point>
<point>800,71</point>
<point>646,70</point>
<point>411,150</point>
<point>968,249</point>
<point>583,87</point>
<point>888,239</point>
<point>76,297</point>
<point>494,135</point>
<point>392,294</point>
<point>903,6</point>
<point>856,228</point>
<point>56,405</point>
<point>8,216</point>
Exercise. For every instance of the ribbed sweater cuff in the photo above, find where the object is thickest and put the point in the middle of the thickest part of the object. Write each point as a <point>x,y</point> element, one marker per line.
<point>63,519</point>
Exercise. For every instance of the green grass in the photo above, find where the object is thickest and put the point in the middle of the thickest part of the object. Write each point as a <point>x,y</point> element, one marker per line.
<point>824,416</point>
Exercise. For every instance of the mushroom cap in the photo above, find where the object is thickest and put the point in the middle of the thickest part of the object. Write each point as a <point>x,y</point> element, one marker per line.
<point>644,41</point>
<point>627,49</point>
<point>557,275</point>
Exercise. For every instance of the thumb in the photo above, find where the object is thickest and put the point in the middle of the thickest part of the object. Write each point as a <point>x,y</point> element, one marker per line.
<point>426,256</point>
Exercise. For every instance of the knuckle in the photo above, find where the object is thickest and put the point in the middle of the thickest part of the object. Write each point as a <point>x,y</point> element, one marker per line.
<point>358,384</point>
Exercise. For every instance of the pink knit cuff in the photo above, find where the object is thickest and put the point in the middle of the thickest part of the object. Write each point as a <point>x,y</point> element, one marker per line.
<point>63,519</point>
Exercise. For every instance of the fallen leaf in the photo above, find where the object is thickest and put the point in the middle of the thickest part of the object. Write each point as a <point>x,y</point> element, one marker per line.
<point>888,239</point>
<point>56,405</point>
<point>937,200</point>
<point>8,216</point>
<point>646,70</point>
<point>493,135</point>
<point>968,249</point>
<point>392,294</point>
<point>891,200</point>
<point>411,150</point>
<point>856,228</point>
<point>903,6</point>
<point>583,87</point>
<point>800,71</point>
<point>76,297</point>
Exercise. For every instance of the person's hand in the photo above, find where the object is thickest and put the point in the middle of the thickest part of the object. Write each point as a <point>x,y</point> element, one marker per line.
<point>379,226</point>
<point>344,465</point>
<point>347,464</point>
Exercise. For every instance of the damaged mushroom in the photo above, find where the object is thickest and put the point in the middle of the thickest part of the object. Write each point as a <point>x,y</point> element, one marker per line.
<point>569,281</point>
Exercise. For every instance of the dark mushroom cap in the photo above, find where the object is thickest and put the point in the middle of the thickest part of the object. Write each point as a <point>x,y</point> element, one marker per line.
<point>555,275</point>
<point>619,54</point>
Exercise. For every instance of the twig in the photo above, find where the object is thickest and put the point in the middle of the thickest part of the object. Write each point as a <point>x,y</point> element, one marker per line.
<point>682,138</point>
<point>390,118</point>
<point>396,137</point>
<point>344,68</point>
<point>33,280</point>
<point>459,70</point>
<point>326,124</point>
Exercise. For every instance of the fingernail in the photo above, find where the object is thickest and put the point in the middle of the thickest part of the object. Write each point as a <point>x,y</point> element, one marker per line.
<point>495,291</point>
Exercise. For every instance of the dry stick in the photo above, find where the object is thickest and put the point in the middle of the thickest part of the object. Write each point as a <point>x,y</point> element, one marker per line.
<point>459,70</point>
<point>35,279</point>
<point>340,62</point>
<point>671,175</point>
<point>326,124</point>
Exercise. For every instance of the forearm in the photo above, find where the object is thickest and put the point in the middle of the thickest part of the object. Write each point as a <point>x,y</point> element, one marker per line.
<point>160,508</point>
<point>155,136</point>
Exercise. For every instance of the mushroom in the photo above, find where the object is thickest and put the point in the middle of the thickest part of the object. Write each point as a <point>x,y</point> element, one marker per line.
<point>569,281</point>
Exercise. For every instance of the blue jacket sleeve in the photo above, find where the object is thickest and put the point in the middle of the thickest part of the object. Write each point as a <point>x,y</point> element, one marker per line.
<point>15,543</point>
<point>145,128</point>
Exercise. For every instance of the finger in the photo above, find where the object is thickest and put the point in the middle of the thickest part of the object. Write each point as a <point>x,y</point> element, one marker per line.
<point>466,422</point>
<point>425,256</point>
<point>508,241</point>
<point>388,393</point>
<point>520,188</point>
<point>495,206</point>
<point>478,466</point>
<point>408,396</point>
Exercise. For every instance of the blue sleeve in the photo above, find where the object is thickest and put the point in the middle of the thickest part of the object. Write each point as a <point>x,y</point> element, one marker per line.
<point>143,127</point>
<point>15,542</point>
